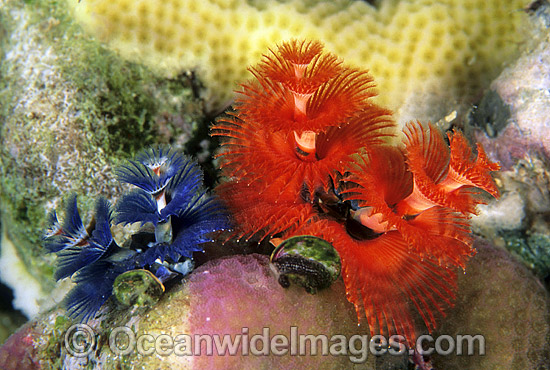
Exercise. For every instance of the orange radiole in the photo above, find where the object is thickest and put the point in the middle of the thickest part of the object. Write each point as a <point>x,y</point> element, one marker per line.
<point>305,152</point>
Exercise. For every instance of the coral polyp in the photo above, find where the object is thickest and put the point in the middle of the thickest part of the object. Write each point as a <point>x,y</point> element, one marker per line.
<point>305,152</point>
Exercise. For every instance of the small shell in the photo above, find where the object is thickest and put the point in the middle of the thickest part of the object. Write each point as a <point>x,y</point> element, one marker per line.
<point>137,287</point>
<point>308,261</point>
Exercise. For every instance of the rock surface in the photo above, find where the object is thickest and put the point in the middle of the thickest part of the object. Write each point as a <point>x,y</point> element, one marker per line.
<point>498,298</point>
<point>512,122</point>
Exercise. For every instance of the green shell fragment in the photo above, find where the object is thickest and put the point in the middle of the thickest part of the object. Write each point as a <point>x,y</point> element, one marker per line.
<point>307,261</point>
<point>137,287</point>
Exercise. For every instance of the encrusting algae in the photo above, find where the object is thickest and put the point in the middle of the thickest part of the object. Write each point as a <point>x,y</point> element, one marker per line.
<point>305,152</point>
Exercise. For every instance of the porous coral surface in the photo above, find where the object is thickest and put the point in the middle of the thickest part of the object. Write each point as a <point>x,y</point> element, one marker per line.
<point>501,300</point>
<point>413,48</point>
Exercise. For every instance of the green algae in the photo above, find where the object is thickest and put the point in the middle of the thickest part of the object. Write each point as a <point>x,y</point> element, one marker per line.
<point>70,111</point>
<point>532,248</point>
<point>55,342</point>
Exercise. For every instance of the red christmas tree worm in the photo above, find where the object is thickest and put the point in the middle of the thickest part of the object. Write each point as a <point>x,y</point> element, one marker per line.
<point>294,127</point>
<point>304,153</point>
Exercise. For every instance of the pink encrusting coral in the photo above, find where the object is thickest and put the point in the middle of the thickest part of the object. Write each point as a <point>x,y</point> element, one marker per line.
<point>223,297</point>
<point>305,152</point>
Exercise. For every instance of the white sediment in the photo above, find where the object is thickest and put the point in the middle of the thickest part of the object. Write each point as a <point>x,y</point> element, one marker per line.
<point>13,272</point>
<point>29,297</point>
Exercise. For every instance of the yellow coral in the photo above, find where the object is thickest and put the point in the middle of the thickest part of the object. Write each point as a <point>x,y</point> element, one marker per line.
<point>412,47</point>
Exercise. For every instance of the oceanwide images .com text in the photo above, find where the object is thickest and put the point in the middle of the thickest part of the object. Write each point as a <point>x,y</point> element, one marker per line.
<point>81,340</point>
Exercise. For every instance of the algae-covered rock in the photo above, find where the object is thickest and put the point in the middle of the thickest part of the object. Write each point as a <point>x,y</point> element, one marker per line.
<point>532,248</point>
<point>70,110</point>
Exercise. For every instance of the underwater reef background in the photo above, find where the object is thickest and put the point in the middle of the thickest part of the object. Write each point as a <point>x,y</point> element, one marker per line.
<point>78,99</point>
